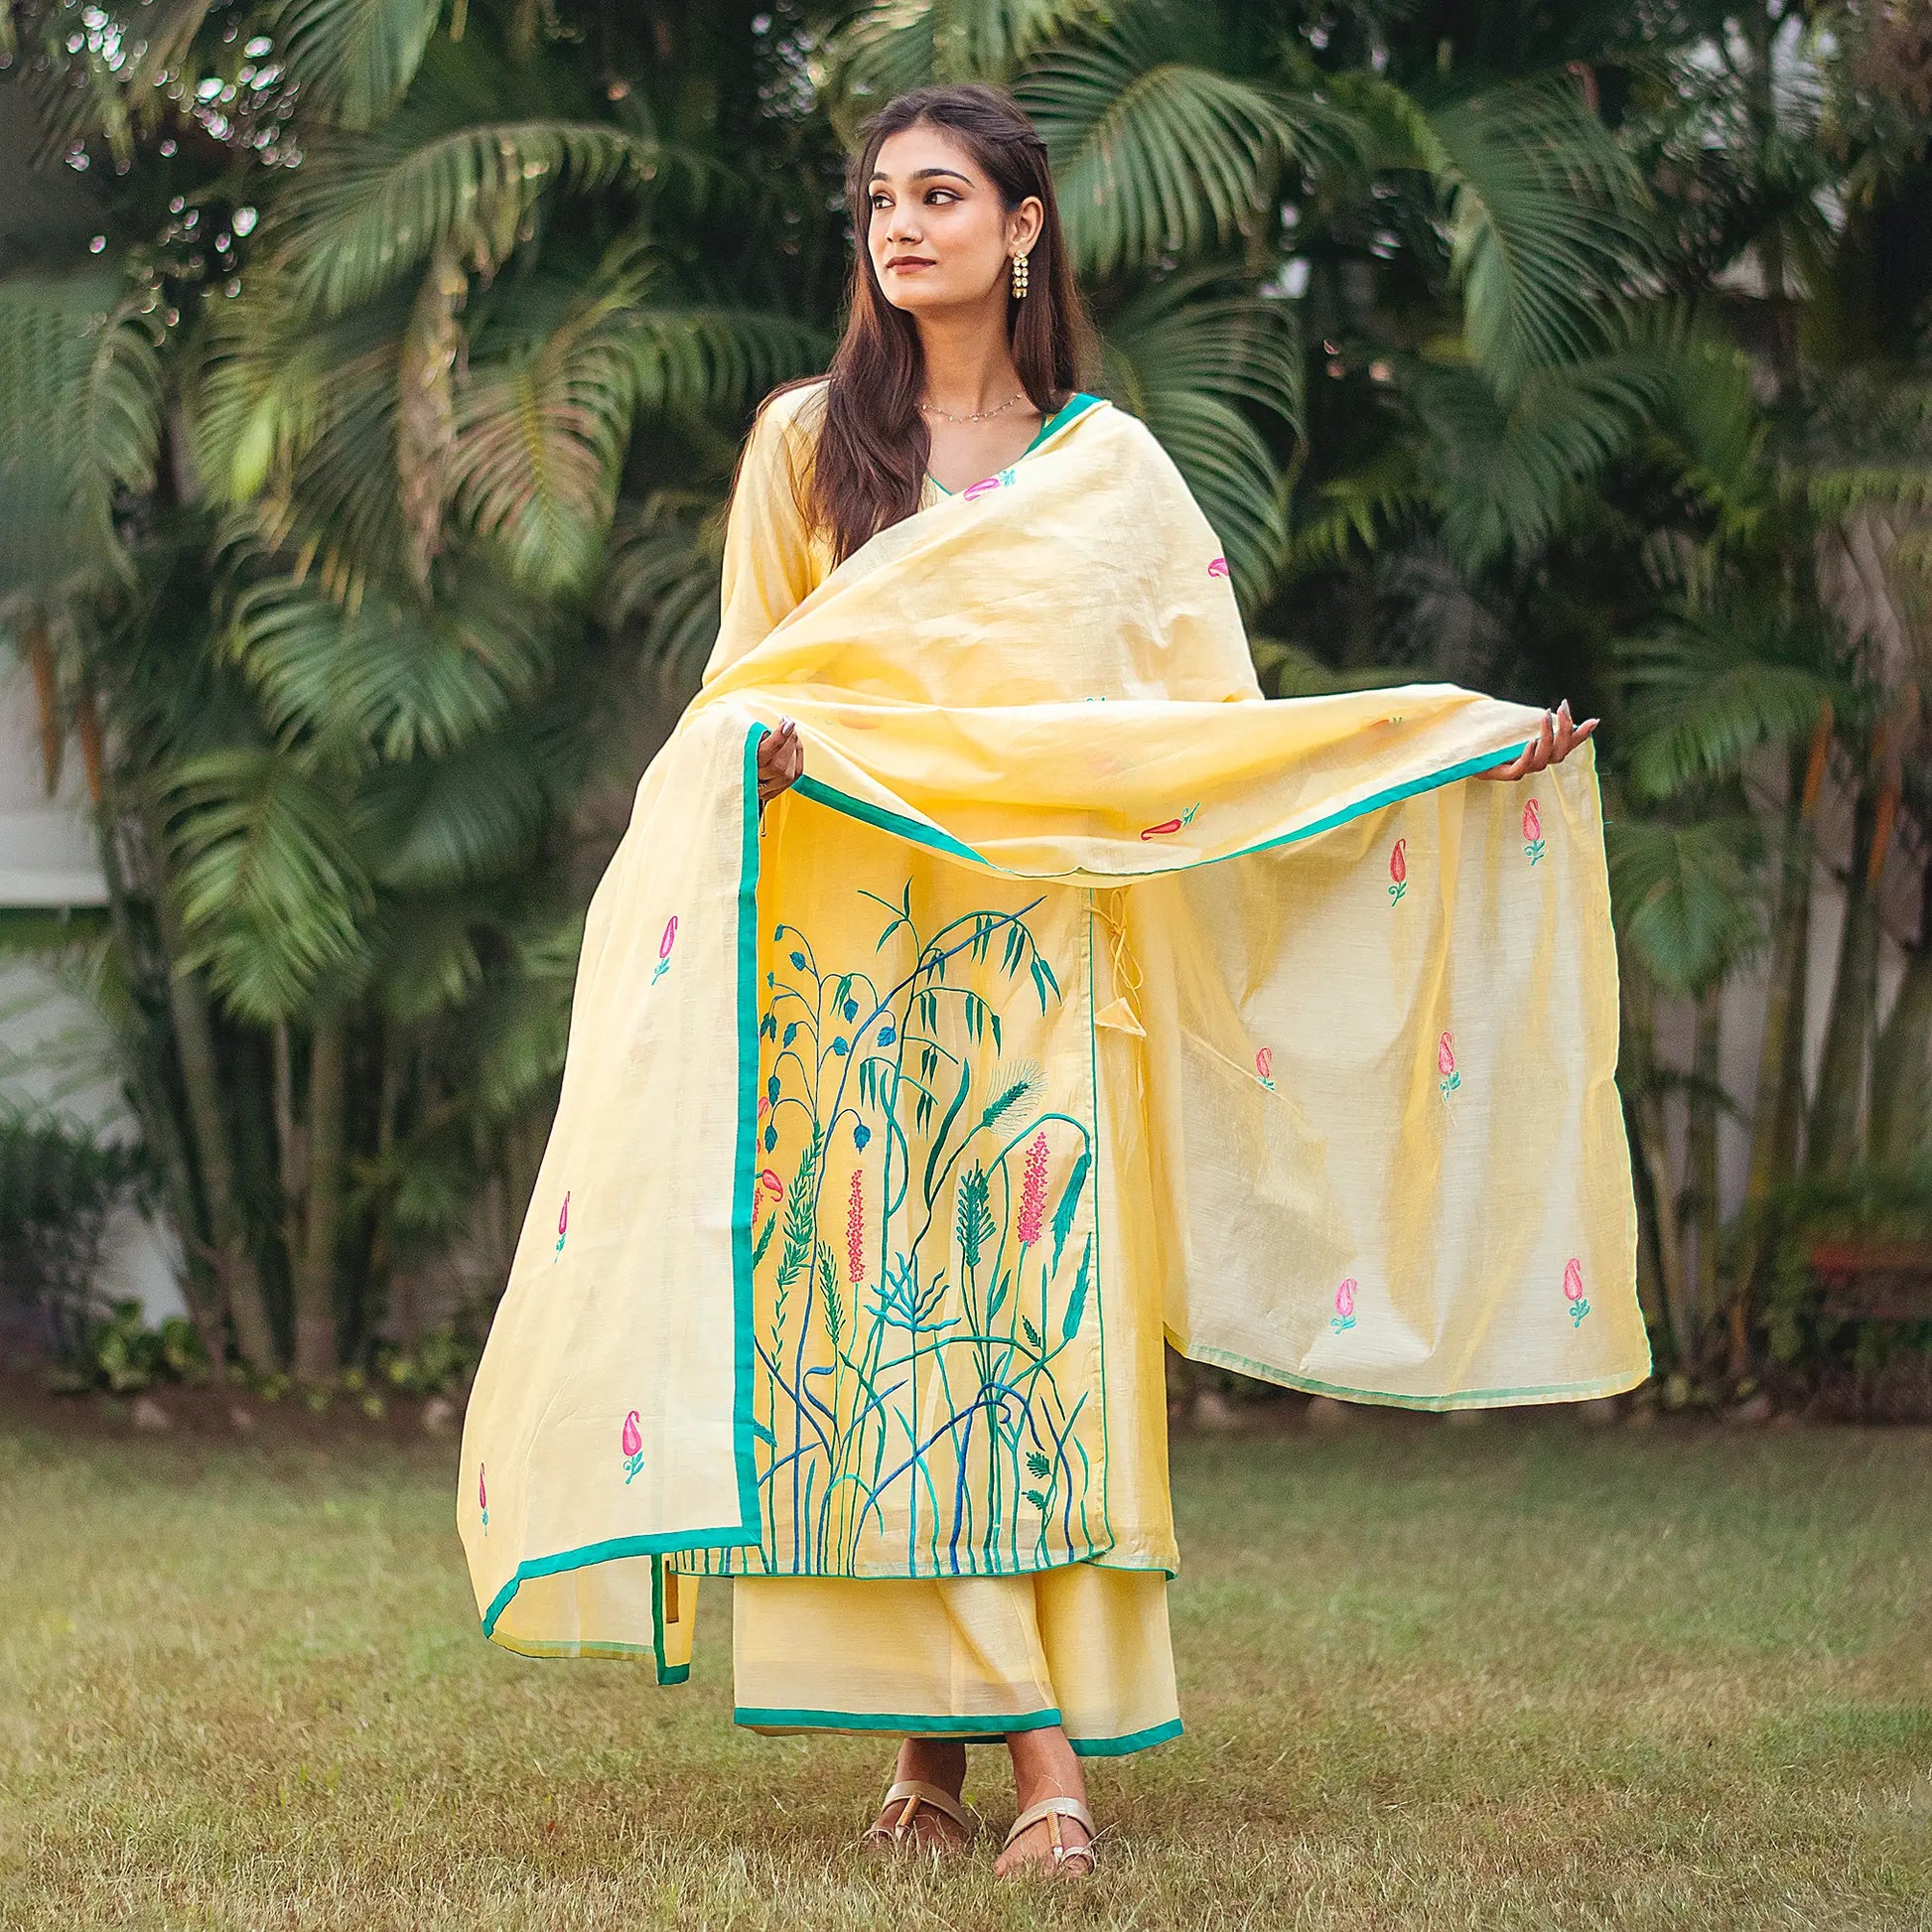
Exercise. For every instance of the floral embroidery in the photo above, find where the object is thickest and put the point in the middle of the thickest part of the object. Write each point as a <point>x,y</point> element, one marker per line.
<point>1532,832</point>
<point>1264,1067</point>
<point>1217,566</point>
<point>987,485</point>
<point>927,1353</point>
<point>563,1222</point>
<point>1446,1065</point>
<point>664,947</point>
<point>1573,1291</point>
<point>1398,872</point>
<point>633,1447</point>
<point>1344,1314</point>
<point>483,1498</point>
<point>1032,1193</point>
<point>1173,824</point>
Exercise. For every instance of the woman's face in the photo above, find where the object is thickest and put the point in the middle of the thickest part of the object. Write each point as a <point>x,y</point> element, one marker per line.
<point>939,236</point>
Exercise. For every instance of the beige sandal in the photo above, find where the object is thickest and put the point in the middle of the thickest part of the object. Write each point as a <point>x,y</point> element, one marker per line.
<point>914,1792</point>
<point>1053,1810</point>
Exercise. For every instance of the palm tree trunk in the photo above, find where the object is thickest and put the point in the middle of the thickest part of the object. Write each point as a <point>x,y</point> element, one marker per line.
<point>1777,1106</point>
<point>1653,1152</point>
<point>315,1357</point>
<point>1902,1069</point>
<point>1701,1155</point>
<point>193,1024</point>
<point>1833,1140</point>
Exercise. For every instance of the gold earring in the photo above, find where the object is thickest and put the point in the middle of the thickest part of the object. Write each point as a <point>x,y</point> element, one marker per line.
<point>1019,277</point>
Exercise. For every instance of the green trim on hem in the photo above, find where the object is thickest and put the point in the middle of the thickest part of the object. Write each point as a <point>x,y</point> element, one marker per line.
<point>1552,1392</point>
<point>1135,1740</point>
<point>738,1536</point>
<point>906,1725</point>
<point>820,794</point>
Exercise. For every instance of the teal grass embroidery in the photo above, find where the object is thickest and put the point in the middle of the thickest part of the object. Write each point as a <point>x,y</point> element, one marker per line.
<point>913,1361</point>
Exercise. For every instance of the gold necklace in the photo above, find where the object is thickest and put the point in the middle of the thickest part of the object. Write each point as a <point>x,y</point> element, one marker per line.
<point>978,415</point>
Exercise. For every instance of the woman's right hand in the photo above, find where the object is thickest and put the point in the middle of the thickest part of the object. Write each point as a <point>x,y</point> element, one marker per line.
<point>781,759</point>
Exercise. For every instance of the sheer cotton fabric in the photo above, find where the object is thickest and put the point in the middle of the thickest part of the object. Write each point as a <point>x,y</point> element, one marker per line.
<point>1076,996</point>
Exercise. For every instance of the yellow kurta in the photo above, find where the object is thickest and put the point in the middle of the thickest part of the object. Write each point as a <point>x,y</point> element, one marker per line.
<point>1076,996</point>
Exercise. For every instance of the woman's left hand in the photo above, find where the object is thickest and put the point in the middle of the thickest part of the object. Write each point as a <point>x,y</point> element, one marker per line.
<point>1558,737</point>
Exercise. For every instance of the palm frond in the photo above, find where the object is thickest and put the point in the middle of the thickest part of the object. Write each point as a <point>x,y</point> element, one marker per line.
<point>1688,907</point>
<point>1545,218</point>
<point>365,211</point>
<point>1158,151</point>
<point>270,893</point>
<point>354,59</point>
<point>898,45</point>
<point>391,678</point>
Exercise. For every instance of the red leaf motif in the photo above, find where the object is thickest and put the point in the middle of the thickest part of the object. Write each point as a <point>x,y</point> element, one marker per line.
<point>1444,1056</point>
<point>1573,1280</point>
<point>1398,865</point>
<point>1532,823</point>
<point>634,1438</point>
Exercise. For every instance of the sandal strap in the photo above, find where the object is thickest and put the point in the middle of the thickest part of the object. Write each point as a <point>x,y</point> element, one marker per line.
<point>1063,1808</point>
<point>922,1793</point>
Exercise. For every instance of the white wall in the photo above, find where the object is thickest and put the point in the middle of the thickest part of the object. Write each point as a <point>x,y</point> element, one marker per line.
<point>55,1047</point>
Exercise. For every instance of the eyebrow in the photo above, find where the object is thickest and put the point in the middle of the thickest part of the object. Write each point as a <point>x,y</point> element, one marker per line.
<point>925,174</point>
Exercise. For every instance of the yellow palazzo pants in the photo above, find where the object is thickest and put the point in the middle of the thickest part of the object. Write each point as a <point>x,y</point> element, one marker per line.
<point>968,1657</point>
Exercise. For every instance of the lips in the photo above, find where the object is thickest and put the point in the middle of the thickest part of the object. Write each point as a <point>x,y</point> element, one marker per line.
<point>901,264</point>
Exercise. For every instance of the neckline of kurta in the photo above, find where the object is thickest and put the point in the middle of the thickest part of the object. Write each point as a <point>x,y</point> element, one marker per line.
<point>1078,404</point>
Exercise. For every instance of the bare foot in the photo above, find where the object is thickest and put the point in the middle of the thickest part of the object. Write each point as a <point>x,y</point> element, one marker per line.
<point>1044,1766</point>
<point>932,1761</point>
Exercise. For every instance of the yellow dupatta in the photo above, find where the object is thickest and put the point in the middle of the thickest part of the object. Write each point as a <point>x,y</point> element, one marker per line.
<point>815,1276</point>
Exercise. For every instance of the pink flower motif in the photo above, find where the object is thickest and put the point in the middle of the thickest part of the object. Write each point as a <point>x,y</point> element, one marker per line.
<point>770,1183</point>
<point>854,1229</point>
<point>1265,1061</point>
<point>1032,1192</point>
<point>987,485</point>
<point>1532,823</point>
<point>483,1494</point>
<point>664,947</point>
<point>1444,1056</point>
<point>1398,865</point>
<point>1346,1298</point>
<point>634,1438</point>
<point>1217,566</point>
<point>1572,1289</point>
<point>563,1221</point>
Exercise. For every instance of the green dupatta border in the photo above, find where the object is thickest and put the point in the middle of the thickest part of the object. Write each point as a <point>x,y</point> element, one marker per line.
<point>746,1530</point>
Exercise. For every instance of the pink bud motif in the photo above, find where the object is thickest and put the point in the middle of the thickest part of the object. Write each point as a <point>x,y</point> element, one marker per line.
<point>1532,832</point>
<point>1344,1314</point>
<point>770,1183</point>
<point>987,485</point>
<point>1573,1291</point>
<point>1265,1067</point>
<point>483,1498</point>
<point>633,1447</point>
<point>1398,870</point>
<point>563,1223</point>
<point>664,947</point>
<point>1446,1065</point>
<point>1217,566</point>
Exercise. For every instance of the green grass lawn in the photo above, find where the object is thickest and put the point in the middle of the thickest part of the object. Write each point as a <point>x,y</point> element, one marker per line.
<point>1534,1673</point>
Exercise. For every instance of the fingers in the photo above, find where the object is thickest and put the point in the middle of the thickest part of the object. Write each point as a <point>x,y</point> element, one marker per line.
<point>781,759</point>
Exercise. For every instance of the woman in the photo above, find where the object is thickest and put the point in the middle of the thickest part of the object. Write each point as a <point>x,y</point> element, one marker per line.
<point>1032,1072</point>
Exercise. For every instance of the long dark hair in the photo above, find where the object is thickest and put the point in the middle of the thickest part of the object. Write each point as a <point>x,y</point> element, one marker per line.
<point>873,447</point>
